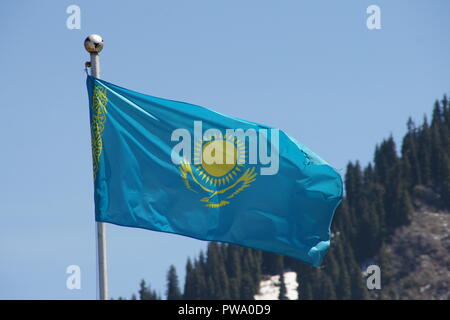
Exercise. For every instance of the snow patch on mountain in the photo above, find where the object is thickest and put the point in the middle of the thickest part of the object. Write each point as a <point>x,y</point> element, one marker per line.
<point>269,289</point>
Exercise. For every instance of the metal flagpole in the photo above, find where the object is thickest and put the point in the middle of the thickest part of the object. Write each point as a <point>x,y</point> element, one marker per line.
<point>93,45</point>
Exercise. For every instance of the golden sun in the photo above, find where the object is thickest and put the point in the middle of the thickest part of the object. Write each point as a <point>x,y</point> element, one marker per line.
<point>231,155</point>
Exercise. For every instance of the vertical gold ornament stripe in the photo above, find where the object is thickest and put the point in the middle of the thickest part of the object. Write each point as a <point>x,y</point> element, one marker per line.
<point>98,119</point>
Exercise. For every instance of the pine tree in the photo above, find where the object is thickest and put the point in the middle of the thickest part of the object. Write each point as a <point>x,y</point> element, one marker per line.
<point>412,173</point>
<point>247,290</point>
<point>327,290</point>
<point>250,281</point>
<point>331,267</point>
<point>257,266</point>
<point>353,183</point>
<point>201,287</point>
<point>305,292</point>
<point>216,273</point>
<point>344,286</point>
<point>145,292</point>
<point>425,152</point>
<point>358,288</point>
<point>402,207</point>
<point>437,114</point>
<point>385,266</point>
<point>173,289</point>
<point>305,280</point>
<point>272,263</point>
<point>234,288</point>
<point>189,282</point>
<point>283,292</point>
<point>436,152</point>
<point>445,182</point>
<point>386,162</point>
<point>343,220</point>
<point>365,244</point>
<point>233,268</point>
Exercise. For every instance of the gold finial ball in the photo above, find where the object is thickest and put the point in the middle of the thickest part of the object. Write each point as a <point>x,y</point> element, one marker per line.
<point>93,43</point>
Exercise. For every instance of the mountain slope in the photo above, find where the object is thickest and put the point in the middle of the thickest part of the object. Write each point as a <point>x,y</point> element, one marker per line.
<point>419,258</point>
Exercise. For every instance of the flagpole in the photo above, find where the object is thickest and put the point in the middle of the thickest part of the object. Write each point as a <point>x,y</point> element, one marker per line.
<point>93,45</point>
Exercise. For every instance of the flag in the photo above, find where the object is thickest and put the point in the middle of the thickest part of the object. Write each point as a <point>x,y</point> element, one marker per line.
<point>179,168</point>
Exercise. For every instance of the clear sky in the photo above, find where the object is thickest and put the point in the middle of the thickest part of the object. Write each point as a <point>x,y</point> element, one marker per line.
<point>311,68</point>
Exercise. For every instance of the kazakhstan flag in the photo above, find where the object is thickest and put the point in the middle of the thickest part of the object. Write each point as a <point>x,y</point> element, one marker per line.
<point>179,168</point>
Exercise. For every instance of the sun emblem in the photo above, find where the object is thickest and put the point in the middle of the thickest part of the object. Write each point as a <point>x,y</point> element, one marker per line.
<point>218,170</point>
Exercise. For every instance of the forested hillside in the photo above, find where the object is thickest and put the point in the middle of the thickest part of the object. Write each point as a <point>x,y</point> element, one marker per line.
<point>397,191</point>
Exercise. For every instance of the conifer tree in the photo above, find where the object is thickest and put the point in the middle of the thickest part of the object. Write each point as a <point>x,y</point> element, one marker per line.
<point>251,285</point>
<point>233,263</point>
<point>331,267</point>
<point>445,180</point>
<point>385,266</point>
<point>327,289</point>
<point>173,289</point>
<point>358,288</point>
<point>424,138</point>
<point>283,292</point>
<point>436,168</point>
<point>411,165</point>
<point>272,263</point>
<point>344,286</point>
<point>201,287</point>
<point>189,282</point>
<point>305,292</point>
<point>145,292</point>
<point>247,290</point>
<point>305,280</point>
<point>216,273</point>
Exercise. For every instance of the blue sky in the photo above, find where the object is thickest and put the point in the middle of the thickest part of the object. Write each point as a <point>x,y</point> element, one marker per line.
<point>311,68</point>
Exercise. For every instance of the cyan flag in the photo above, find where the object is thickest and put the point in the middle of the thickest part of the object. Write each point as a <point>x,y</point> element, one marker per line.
<point>175,167</point>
